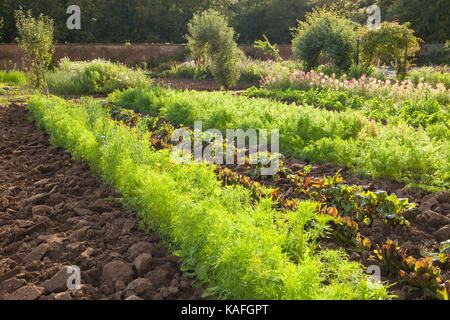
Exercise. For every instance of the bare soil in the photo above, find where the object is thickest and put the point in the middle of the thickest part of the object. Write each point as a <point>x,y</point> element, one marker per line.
<point>54,213</point>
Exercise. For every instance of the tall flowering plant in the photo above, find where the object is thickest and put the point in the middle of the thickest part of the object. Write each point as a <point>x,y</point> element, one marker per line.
<point>368,87</point>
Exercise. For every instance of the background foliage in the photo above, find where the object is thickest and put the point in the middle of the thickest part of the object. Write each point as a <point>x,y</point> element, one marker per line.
<point>160,21</point>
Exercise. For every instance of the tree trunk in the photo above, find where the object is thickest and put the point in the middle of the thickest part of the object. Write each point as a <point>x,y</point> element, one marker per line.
<point>357,52</point>
<point>44,78</point>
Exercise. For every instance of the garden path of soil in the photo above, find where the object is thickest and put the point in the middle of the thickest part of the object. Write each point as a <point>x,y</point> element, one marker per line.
<point>53,214</point>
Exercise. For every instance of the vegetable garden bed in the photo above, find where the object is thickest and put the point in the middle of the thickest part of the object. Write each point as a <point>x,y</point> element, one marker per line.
<point>53,214</point>
<point>194,213</point>
<point>235,246</point>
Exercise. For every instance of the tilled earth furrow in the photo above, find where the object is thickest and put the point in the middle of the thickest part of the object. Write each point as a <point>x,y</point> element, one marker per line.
<point>54,214</point>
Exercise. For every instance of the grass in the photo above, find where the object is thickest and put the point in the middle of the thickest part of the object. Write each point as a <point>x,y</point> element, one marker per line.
<point>13,78</point>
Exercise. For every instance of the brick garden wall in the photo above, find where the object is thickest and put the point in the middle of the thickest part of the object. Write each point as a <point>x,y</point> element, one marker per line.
<point>131,55</point>
<point>11,55</point>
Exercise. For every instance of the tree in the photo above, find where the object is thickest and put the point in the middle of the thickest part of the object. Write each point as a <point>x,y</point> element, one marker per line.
<point>392,42</point>
<point>211,40</point>
<point>325,32</point>
<point>36,40</point>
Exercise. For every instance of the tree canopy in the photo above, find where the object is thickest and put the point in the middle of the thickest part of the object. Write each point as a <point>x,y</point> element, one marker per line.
<point>162,21</point>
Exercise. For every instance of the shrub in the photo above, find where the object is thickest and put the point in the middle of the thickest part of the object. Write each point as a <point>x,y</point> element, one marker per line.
<point>94,77</point>
<point>325,33</point>
<point>224,67</point>
<point>36,40</point>
<point>211,40</point>
<point>391,42</point>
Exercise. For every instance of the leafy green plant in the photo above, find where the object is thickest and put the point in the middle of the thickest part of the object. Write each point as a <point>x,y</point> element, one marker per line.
<point>430,75</point>
<point>344,228</point>
<point>416,273</point>
<point>329,70</point>
<point>36,40</point>
<point>352,200</point>
<point>357,71</point>
<point>190,70</point>
<point>331,100</point>
<point>424,112</point>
